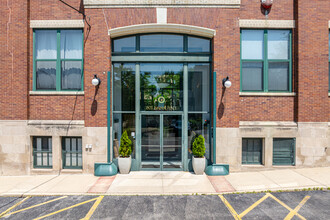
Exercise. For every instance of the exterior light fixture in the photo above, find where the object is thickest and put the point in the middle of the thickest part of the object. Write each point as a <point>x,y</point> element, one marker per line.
<point>266,4</point>
<point>96,81</point>
<point>226,83</point>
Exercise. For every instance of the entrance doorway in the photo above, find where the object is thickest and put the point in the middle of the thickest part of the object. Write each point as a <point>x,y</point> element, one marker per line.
<point>161,141</point>
<point>161,97</point>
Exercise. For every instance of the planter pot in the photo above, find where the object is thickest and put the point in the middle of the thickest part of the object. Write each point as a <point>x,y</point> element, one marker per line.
<point>198,165</point>
<point>124,164</point>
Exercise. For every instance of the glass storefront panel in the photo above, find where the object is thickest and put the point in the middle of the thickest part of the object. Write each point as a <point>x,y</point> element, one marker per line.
<point>164,123</point>
<point>161,87</point>
<point>199,87</point>
<point>124,87</point>
<point>172,141</point>
<point>122,122</point>
<point>199,124</point>
<point>150,141</point>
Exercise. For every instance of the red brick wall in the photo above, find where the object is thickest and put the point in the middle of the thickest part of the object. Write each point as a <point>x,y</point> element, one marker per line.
<point>310,74</point>
<point>53,107</point>
<point>267,109</point>
<point>55,10</point>
<point>281,10</point>
<point>257,108</point>
<point>13,60</point>
<point>313,52</point>
<point>98,52</point>
<point>56,108</point>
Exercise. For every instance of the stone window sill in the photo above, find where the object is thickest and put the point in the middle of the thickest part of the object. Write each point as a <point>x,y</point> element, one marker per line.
<point>71,171</point>
<point>329,94</point>
<point>289,94</point>
<point>253,165</point>
<point>42,171</point>
<point>57,93</point>
<point>284,166</point>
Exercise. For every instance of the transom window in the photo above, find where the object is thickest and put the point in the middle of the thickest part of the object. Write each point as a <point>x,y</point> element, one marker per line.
<point>168,43</point>
<point>266,61</point>
<point>58,59</point>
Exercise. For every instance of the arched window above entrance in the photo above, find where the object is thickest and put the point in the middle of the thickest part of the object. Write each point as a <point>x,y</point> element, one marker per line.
<point>161,43</point>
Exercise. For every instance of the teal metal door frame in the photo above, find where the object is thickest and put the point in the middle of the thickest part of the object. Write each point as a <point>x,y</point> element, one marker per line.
<point>161,133</point>
<point>136,160</point>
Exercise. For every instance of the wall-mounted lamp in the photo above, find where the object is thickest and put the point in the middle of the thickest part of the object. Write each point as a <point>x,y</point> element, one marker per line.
<point>226,83</point>
<point>266,4</point>
<point>96,81</point>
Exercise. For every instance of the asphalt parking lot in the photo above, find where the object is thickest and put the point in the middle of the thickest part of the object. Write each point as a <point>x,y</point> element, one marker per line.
<point>277,205</point>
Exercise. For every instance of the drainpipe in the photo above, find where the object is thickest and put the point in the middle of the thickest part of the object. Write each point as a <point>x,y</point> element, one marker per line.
<point>215,169</point>
<point>109,168</point>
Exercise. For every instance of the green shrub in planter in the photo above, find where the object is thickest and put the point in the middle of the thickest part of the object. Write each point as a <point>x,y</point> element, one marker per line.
<point>198,148</point>
<point>125,148</point>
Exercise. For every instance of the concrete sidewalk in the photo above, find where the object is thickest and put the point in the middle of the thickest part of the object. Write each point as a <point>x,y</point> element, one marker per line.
<point>160,183</point>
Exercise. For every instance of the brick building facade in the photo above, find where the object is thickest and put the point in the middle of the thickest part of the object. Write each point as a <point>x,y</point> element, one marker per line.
<point>253,128</point>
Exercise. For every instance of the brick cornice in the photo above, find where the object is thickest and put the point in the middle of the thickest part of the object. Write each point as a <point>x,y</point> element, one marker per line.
<point>162,3</point>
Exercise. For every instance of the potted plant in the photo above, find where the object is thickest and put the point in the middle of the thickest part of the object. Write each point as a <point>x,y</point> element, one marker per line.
<point>125,150</point>
<point>198,150</point>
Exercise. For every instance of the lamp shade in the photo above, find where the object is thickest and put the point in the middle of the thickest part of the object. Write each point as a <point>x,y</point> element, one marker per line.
<point>227,84</point>
<point>95,81</point>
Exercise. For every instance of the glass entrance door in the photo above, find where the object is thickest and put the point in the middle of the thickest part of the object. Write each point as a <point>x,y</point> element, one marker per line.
<point>161,141</point>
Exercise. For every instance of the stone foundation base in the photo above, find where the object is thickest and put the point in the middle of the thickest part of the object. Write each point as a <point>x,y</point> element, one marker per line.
<point>16,145</point>
<point>312,143</point>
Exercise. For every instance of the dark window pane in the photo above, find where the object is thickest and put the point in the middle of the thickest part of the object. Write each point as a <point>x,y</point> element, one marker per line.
<point>150,141</point>
<point>199,87</point>
<point>172,141</point>
<point>46,75</point>
<point>278,76</point>
<point>124,87</point>
<point>126,44</point>
<point>42,148</point>
<point>283,151</point>
<point>72,152</point>
<point>46,44</point>
<point>67,144</point>
<point>79,144</point>
<point>161,43</point>
<point>71,44</point>
<point>45,144</point>
<point>252,76</point>
<point>196,44</point>
<point>121,123</point>
<point>71,75</point>
<point>252,151</point>
<point>161,87</point>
